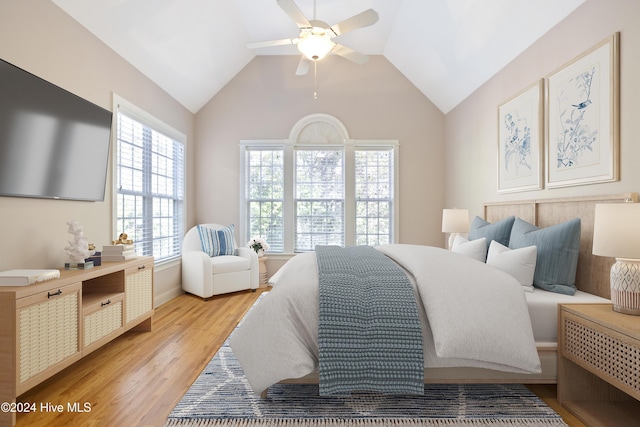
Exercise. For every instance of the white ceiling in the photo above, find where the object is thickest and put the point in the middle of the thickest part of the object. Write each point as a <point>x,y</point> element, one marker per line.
<point>192,48</point>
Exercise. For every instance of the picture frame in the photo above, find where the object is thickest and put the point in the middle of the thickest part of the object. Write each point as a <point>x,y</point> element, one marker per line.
<point>520,136</point>
<point>583,130</point>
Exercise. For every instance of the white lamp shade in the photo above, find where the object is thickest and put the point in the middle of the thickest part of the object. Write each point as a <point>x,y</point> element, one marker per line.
<point>616,230</point>
<point>455,220</point>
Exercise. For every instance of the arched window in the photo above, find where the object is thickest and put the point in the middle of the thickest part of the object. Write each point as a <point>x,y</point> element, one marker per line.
<point>319,187</point>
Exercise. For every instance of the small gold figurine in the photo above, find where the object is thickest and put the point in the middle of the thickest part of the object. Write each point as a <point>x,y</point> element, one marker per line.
<point>123,239</point>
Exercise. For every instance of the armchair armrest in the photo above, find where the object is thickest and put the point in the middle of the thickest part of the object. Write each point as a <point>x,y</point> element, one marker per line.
<point>196,273</point>
<point>253,260</point>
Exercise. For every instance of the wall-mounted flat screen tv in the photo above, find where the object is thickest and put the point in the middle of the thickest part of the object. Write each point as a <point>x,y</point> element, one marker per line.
<point>53,144</point>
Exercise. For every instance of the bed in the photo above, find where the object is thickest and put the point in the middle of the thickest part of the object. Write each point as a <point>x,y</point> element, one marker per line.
<point>251,346</point>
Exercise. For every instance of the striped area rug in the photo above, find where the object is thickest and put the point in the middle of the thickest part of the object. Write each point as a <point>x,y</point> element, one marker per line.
<point>221,396</point>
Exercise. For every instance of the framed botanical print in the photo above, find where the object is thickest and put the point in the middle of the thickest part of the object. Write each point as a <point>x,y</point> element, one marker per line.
<point>583,118</point>
<point>520,130</point>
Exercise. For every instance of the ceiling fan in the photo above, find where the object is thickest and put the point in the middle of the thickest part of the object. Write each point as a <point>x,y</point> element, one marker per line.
<point>314,40</point>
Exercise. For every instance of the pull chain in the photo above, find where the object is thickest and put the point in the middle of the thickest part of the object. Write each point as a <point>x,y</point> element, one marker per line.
<point>315,79</point>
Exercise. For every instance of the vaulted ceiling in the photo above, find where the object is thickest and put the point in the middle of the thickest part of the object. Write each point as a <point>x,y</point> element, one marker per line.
<point>192,48</point>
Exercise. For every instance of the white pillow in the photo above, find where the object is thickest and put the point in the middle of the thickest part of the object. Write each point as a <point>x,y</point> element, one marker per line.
<point>476,249</point>
<point>519,263</point>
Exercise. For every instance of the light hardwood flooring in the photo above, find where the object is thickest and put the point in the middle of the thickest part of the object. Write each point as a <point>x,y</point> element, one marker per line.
<point>137,379</point>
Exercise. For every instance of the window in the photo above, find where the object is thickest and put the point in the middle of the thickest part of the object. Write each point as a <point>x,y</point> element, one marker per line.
<point>374,196</point>
<point>149,183</point>
<point>319,198</point>
<point>297,196</point>
<point>265,195</point>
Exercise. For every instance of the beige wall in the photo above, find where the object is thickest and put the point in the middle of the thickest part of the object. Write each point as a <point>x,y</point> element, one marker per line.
<point>471,128</point>
<point>38,37</point>
<point>373,101</point>
<point>264,101</point>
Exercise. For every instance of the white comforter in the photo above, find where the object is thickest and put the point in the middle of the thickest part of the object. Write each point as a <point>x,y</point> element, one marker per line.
<point>473,315</point>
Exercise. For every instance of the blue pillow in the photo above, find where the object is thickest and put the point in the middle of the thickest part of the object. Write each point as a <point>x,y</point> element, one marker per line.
<point>558,251</point>
<point>216,242</point>
<point>498,231</point>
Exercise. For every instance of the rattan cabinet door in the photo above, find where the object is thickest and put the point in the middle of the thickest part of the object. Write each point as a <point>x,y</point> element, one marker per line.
<point>47,334</point>
<point>138,291</point>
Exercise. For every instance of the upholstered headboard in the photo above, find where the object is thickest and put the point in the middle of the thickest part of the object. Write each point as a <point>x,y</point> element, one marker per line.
<point>593,271</point>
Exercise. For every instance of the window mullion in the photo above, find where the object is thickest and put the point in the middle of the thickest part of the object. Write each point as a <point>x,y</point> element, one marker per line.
<point>289,201</point>
<point>178,195</point>
<point>147,190</point>
<point>349,196</point>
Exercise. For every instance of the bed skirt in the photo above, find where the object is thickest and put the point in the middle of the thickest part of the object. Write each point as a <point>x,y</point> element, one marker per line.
<point>462,375</point>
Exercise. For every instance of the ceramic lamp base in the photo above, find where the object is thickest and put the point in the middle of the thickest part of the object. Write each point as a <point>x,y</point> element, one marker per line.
<point>625,286</point>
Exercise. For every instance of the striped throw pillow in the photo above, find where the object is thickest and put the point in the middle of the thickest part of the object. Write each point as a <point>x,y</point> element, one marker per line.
<point>558,248</point>
<point>216,242</point>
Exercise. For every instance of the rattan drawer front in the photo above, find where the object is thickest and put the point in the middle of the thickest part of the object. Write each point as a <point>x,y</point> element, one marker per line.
<point>103,322</point>
<point>610,355</point>
<point>138,293</point>
<point>48,333</point>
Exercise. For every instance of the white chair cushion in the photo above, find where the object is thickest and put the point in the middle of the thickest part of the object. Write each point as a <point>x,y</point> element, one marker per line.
<point>229,264</point>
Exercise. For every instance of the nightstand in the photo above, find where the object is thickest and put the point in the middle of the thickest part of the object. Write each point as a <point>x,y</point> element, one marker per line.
<point>599,364</point>
<point>262,278</point>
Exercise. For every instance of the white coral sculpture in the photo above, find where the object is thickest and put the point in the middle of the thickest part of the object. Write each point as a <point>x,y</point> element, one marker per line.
<point>78,248</point>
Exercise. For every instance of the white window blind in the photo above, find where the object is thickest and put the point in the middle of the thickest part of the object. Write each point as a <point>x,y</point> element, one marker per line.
<point>265,195</point>
<point>319,199</point>
<point>297,196</point>
<point>149,186</point>
<point>374,196</point>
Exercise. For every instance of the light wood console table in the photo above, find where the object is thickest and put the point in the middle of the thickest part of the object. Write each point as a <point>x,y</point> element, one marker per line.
<point>599,364</point>
<point>45,327</point>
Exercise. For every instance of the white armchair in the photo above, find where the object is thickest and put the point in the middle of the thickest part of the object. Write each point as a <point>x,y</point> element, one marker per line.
<point>206,276</point>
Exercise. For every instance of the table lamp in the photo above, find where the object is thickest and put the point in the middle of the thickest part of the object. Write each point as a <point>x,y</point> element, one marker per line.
<point>616,233</point>
<point>455,221</point>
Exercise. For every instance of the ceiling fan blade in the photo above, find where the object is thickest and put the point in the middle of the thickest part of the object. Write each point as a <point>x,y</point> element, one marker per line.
<point>268,43</point>
<point>364,19</point>
<point>350,54</point>
<point>303,66</point>
<point>294,13</point>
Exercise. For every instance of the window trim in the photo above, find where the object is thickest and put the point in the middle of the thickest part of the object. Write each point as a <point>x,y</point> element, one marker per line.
<point>289,146</point>
<point>142,116</point>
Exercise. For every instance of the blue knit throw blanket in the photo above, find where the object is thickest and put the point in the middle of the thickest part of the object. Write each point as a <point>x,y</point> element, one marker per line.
<point>369,334</point>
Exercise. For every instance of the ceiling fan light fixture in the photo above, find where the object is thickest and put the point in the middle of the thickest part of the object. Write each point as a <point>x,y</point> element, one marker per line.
<point>315,46</point>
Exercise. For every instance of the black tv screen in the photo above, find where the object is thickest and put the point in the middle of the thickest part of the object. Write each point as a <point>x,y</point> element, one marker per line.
<point>53,144</point>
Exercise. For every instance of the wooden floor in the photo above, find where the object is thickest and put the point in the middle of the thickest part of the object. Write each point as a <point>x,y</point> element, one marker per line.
<point>137,379</point>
